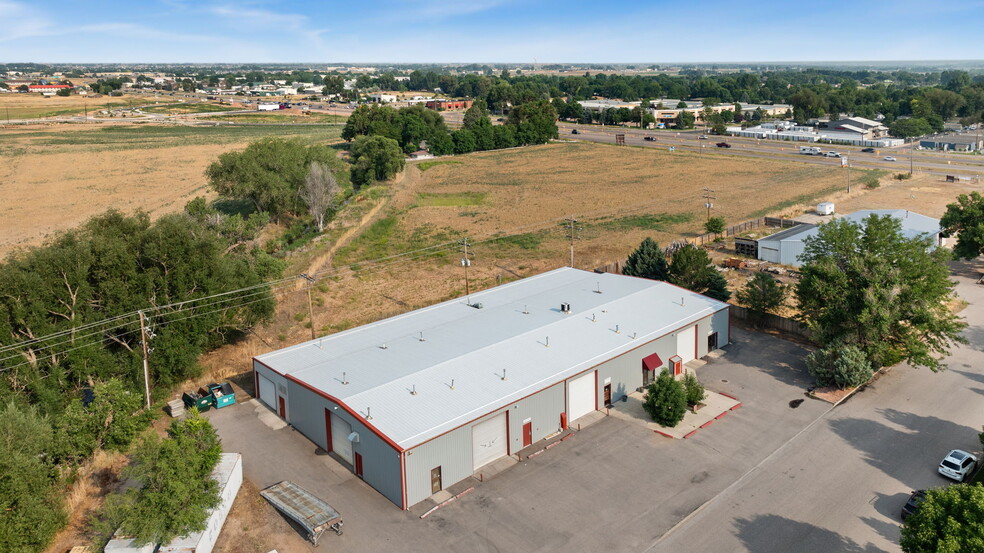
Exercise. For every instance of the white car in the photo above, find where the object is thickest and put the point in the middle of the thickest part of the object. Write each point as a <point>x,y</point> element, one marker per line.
<point>832,154</point>
<point>958,465</point>
<point>890,158</point>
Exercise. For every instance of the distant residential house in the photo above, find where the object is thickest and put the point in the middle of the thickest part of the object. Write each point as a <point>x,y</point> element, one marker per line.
<point>48,89</point>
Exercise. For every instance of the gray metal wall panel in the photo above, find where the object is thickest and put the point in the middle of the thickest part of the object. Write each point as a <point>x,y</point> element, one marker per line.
<point>452,452</point>
<point>380,462</point>
<point>543,408</point>
<point>279,384</point>
<point>769,250</point>
<point>626,369</point>
<point>791,251</point>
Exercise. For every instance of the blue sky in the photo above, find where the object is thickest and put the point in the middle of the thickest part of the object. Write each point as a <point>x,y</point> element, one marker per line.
<point>487,31</point>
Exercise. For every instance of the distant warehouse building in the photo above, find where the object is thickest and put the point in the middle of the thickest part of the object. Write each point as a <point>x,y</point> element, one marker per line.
<point>953,143</point>
<point>418,402</point>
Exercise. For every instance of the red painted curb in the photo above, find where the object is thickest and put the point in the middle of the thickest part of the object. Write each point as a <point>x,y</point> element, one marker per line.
<point>735,407</point>
<point>706,424</point>
<point>721,415</point>
<point>689,435</point>
<point>728,395</point>
<point>663,434</point>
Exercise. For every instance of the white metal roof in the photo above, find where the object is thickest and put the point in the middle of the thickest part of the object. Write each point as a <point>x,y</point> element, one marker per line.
<point>914,225</point>
<point>519,333</point>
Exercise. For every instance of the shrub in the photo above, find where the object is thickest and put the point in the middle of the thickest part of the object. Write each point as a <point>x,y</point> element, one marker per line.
<point>839,365</point>
<point>715,225</point>
<point>666,400</point>
<point>693,389</point>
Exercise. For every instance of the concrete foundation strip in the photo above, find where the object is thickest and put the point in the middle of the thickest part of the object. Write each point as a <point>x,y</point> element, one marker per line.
<point>439,505</point>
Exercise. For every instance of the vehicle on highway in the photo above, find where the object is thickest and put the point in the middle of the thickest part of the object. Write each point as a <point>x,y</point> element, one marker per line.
<point>703,137</point>
<point>811,150</point>
<point>869,150</point>
<point>832,154</point>
<point>913,503</point>
<point>575,131</point>
<point>723,145</point>
<point>649,138</point>
<point>958,465</point>
<point>890,158</point>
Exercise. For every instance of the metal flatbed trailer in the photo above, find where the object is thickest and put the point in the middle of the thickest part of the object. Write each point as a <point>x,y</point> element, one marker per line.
<point>304,508</point>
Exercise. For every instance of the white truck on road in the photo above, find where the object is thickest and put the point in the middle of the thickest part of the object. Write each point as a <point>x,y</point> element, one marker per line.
<point>811,150</point>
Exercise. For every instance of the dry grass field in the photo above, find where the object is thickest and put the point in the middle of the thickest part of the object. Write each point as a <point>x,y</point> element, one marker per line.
<point>54,177</point>
<point>30,106</point>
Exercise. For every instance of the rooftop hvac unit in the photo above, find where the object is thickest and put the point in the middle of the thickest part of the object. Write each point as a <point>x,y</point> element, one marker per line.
<point>825,208</point>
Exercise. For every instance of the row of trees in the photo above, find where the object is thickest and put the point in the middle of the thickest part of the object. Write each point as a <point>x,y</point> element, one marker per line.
<point>412,127</point>
<point>689,267</point>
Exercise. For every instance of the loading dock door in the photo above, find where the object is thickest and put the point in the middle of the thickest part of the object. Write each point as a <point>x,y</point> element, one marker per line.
<point>268,393</point>
<point>687,344</point>
<point>340,430</point>
<point>581,396</point>
<point>489,441</point>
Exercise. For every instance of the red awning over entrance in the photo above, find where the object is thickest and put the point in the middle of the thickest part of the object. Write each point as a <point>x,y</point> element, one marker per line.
<point>652,362</point>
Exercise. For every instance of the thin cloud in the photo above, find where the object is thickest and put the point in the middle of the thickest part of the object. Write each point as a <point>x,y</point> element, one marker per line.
<point>21,21</point>
<point>258,18</point>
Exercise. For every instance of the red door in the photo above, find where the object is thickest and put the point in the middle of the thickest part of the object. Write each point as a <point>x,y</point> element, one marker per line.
<point>527,433</point>
<point>327,430</point>
<point>283,408</point>
<point>358,465</point>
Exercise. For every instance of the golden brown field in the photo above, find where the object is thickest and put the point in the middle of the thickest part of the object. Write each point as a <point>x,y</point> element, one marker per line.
<point>29,106</point>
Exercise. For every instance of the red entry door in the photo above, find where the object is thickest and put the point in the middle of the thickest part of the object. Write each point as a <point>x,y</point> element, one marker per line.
<point>358,465</point>
<point>527,433</point>
<point>283,408</point>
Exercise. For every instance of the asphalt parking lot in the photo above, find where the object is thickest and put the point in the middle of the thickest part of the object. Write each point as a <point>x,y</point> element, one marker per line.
<point>613,485</point>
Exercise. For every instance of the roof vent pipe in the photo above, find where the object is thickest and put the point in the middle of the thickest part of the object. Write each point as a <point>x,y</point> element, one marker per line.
<point>421,337</point>
<point>344,378</point>
<point>413,390</point>
<point>616,329</point>
<point>598,289</point>
<point>503,374</point>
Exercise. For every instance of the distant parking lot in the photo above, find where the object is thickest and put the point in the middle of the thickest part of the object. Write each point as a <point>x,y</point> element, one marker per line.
<point>612,486</point>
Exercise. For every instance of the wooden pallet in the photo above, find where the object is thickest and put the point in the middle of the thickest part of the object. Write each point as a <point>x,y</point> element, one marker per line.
<point>176,408</point>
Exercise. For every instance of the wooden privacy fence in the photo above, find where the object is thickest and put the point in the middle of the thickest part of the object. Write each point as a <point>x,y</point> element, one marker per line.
<point>775,322</point>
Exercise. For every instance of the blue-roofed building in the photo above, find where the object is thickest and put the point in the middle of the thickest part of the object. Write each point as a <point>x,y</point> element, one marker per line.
<point>786,246</point>
<point>418,402</point>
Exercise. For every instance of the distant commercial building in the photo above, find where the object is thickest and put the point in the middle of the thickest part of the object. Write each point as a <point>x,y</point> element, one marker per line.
<point>443,104</point>
<point>48,89</point>
<point>382,98</point>
<point>841,134</point>
<point>786,246</point>
<point>953,143</point>
<point>867,128</point>
<point>668,113</point>
<point>417,402</point>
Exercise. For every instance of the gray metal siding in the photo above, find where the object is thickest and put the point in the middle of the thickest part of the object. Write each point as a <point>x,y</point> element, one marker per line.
<point>769,250</point>
<point>721,323</point>
<point>380,462</point>
<point>791,251</point>
<point>452,452</point>
<point>626,369</point>
<point>279,384</point>
<point>543,408</point>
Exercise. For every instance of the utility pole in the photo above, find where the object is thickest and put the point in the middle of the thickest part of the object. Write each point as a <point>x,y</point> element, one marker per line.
<point>707,201</point>
<point>572,234</point>
<point>311,281</point>
<point>146,351</point>
<point>848,177</point>
<point>466,262</point>
<point>911,152</point>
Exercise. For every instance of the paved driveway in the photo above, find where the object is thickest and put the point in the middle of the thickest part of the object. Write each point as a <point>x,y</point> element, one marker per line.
<point>840,485</point>
<point>612,486</point>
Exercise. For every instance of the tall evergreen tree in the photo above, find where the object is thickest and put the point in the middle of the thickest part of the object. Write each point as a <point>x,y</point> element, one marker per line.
<point>647,261</point>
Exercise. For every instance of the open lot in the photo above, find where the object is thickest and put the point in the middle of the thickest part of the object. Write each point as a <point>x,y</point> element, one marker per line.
<point>613,486</point>
<point>54,177</point>
<point>29,106</point>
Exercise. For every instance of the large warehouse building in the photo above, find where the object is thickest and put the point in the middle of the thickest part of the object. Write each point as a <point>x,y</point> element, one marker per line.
<point>418,402</point>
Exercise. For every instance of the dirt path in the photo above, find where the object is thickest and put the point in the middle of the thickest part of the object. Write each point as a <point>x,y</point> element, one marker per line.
<point>407,181</point>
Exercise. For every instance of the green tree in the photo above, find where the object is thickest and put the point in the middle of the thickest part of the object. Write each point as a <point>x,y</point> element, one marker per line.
<point>31,507</point>
<point>375,158</point>
<point>475,115</point>
<point>665,400</point>
<point>691,268</point>
<point>715,225</point>
<point>762,294</point>
<point>647,261</point>
<point>685,120</point>
<point>912,126</point>
<point>110,421</point>
<point>535,122</point>
<point>949,519</point>
<point>965,219</point>
<point>693,389</point>
<point>843,366</point>
<point>870,286</point>
<point>176,491</point>
<point>268,173</point>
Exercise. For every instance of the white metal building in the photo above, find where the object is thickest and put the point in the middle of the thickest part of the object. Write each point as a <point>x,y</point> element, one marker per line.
<point>417,402</point>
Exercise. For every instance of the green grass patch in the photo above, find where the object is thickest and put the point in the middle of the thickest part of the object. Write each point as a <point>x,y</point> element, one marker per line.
<point>869,178</point>
<point>425,165</point>
<point>187,108</point>
<point>526,241</point>
<point>433,199</point>
<point>649,221</point>
<point>385,238</point>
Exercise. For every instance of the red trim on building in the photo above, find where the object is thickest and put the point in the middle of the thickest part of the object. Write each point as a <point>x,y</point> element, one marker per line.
<point>403,479</point>
<point>508,442</point>
<point>328,444</point>
<point>696,340</point>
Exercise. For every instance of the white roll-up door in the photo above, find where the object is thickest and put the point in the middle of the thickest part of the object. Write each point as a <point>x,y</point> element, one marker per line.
<point>581,396</point>
<point>489,441</point>
<point>340,444</point>
<point>687,343</point>
<point>268,392</point>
